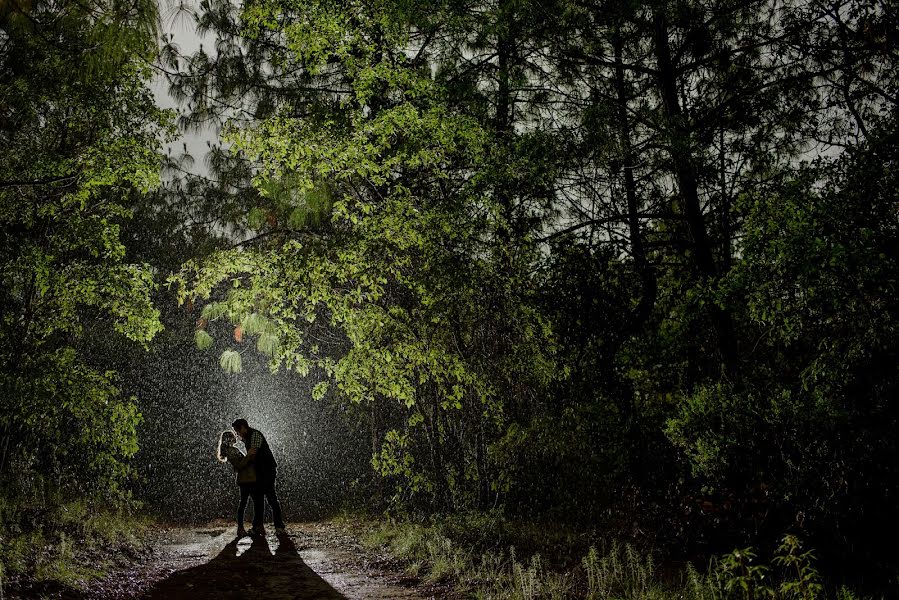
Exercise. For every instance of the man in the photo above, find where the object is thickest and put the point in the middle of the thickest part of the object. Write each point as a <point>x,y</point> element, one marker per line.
<point>260,455</point>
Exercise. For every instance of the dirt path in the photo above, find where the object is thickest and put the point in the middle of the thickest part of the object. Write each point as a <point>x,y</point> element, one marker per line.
<point>313,561</point>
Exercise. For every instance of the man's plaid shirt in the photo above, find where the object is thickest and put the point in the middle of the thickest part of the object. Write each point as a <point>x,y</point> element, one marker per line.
<point>255,439</point>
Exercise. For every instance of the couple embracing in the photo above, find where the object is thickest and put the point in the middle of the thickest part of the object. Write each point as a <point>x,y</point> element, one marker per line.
<point>255,475</point>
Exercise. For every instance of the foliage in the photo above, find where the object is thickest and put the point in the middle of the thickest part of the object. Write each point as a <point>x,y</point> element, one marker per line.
<point>618,571</point>
<point>818,275</point>
<point>231,361</point>
<point>804,581</point>
<point>63,548</point>
<point>396,271</point>
<point>632,265</point>
<point>622,264</point>
<point>80,132</point>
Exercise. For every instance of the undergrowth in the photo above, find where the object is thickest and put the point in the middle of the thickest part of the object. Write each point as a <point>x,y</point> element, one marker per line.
<point>446,552</point>
<point>64,545</point>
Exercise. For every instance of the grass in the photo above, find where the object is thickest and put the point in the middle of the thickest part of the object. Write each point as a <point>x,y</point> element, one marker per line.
<point>464,551</point>
<point>62,546</point>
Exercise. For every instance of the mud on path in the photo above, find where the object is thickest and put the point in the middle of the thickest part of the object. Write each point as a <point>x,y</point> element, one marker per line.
<point>314,561</point>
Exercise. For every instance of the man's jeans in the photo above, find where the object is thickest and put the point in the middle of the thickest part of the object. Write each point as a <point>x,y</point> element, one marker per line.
<point>266,488</point>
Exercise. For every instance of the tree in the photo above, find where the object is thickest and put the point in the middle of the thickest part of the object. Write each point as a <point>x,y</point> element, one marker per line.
<point>531,236</point>
<point>810,425</point>
<point>377,225</point>
<point>80,132</point>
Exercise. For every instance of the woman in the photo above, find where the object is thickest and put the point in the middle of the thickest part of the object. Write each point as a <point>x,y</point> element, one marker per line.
<point>246,475</point>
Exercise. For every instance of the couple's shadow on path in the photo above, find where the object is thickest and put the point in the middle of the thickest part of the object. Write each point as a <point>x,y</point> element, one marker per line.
<point>256,573</point>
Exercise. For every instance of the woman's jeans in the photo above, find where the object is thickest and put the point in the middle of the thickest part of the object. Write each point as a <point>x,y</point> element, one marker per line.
<point>247,490</point>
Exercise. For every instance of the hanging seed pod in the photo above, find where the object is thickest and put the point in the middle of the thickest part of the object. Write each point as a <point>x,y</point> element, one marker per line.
<point>202,322</point>
<point>238,334</point>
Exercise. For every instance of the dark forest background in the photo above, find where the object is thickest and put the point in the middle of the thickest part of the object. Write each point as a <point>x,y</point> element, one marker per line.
<point>628,266</point>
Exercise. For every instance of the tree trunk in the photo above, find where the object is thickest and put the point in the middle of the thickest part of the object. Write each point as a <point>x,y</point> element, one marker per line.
<point>726,233</point>
<point>685,175</point>
<point>377,479</point>
<point>504,117</point>
<point>433,430</point>
<point>481,463</point>
<point>638,249</point>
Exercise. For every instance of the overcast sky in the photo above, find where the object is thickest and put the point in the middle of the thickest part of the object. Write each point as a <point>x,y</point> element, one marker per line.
<point>177,21</point>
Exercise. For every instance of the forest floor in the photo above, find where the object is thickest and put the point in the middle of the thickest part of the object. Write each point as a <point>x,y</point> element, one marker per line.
<point>322,560</point>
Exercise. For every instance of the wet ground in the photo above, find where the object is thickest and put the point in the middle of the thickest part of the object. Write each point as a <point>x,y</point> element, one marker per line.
<point>313,561</point>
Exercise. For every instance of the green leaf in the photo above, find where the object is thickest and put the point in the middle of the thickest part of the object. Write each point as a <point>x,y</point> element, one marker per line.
<point>319,391</point>
<point>204,340</point>
<point>230,361</point>
<point>254,324</point>
<point>214,311</point>
<point>268,344</point>
<point>256,218</point>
